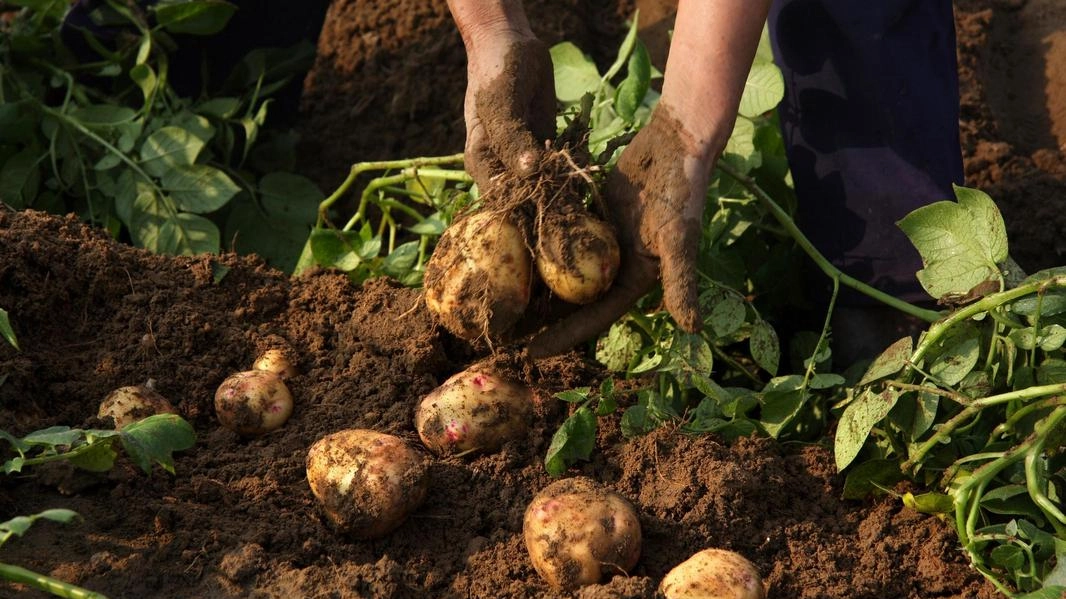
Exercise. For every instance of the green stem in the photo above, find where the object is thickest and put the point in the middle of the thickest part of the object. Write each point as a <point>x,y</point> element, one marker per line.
<point>1035,481</point>
<point>362,167</point>
<point>46,583</point>
<point>945,431</point>
<point>827,267</point>
<point>825,331</point>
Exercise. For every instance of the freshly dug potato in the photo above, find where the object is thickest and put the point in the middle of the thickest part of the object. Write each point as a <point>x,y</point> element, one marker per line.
<point>253,402</point>
<point>714,574</point>
<point>367,482</point>
<point>474,411</point>
<point>577,256</point>
<point>276,361</point>
<point>577,531</point>
<point>478,279</point>
<point>127,405</point>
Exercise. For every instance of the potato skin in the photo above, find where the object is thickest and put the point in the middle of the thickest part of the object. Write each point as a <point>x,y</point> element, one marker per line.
<point>253,402</point>
<point>478,278</point>
<point>714,574</point>
<point>473,411</point>
<point>366,482</point>
<point>577,257</point>
<point>577,531</point>
<point>276,361</point>
<point>127,405</point>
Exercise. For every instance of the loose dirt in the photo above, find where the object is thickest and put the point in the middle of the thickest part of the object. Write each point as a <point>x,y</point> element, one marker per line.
<point>238,519</point>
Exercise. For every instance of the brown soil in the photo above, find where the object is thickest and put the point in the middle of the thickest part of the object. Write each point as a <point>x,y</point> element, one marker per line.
<point>238,519</point>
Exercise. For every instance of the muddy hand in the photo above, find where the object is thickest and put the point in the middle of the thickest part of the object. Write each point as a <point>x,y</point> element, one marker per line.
<point>656,196</point>
<point>509,106</point>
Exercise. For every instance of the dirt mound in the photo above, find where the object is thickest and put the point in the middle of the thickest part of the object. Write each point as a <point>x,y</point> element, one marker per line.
<point>239,520</point>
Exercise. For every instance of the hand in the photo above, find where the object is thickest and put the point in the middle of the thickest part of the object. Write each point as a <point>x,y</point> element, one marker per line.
<point>509,106</point>
<point>655,195</point>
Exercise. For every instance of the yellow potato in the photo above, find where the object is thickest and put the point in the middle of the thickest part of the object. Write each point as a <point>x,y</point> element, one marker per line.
<point>714,574</point>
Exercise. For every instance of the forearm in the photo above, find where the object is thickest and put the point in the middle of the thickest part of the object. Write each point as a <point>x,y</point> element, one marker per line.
<point>710,56</point>
<point>480,20</point>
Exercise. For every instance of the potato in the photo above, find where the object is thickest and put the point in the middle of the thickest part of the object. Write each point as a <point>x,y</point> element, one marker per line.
<point>713,574</point>
<point>474,411</point>
<point>253,402</point>
<point>276,361</point>
<point>127,405</point>
<point>577,531</point>
<point>367,482</point>
<point>577,256</point>
<point>478,279</point>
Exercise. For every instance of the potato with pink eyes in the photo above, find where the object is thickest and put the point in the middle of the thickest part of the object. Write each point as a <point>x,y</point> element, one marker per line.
<point>474,411</point>
<point>714,574</point>
<point>578,531</point>
<point>253,402</point>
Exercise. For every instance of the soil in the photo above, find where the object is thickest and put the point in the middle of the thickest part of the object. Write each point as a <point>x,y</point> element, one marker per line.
<point>238,518</point>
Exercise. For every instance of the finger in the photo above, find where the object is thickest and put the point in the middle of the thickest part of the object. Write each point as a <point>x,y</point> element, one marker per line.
<point>633,282</point>
<point>478,158</point>
<point>679,244</point>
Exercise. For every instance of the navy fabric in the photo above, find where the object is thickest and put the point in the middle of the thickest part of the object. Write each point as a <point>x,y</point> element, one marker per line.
<point>871,126</point>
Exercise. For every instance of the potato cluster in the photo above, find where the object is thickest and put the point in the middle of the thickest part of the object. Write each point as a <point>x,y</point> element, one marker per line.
<point>255,402</point>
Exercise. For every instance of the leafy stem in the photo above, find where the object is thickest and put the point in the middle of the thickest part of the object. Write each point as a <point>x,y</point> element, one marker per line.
<point>824,264</point>
<point>45,583</point>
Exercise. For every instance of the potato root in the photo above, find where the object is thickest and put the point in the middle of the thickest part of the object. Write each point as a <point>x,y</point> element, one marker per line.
<point>253,402</point>
<point>577,531</point>
<point>366,482</point>
<point>577,256</point>
<point>127,405</point>
<point>474,411</point>
<point>478,279</point>
<point>713,574</point>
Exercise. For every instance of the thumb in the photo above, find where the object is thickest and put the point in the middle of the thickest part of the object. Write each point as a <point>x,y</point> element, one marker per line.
<point>678,245</point>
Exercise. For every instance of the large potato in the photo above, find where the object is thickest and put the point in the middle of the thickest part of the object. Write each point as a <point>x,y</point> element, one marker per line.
<point>127,405</point>
<point>474,411</point>
<point>577,531</point>
<point>253,402</point>
<point>714,574</point>
<point>367,482</point>
<point>577,256</point>
<point>478,279</point>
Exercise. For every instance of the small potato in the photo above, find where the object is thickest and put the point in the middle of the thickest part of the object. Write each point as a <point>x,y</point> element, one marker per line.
<point>474,411</point>
<point>367,482</point>
<point>276,361</point>
<point>478,279</point>
<point>577,257</point>
<point>253,402</point>
<point>127,405</point>
<point>714,574</point>
<point>577,531</point>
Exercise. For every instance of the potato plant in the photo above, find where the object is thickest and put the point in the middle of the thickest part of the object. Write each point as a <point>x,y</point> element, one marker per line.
<point>16,527</point>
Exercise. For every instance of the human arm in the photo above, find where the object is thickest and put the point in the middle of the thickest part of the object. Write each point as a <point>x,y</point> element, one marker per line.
<point>510,98</point>
<point>656,193</point>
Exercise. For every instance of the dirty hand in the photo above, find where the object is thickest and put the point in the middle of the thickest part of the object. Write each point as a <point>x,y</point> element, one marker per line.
<point>509,106</point>
<point>655,197</point>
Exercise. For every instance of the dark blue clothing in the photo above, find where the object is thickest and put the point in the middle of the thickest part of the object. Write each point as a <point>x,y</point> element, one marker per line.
<point>871,126</point>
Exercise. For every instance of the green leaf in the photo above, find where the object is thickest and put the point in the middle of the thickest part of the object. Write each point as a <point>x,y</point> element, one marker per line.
<point>168,148</point>
<point>155,439</point>
<point>401,260</point>
<point>929,503</point>
<point>103,115</point>
<point>18,525</point>
<point>825,380</point>
<point>891,361</point>
<point>145,78</point>
<point>780,408</point>
<point>763,90</point>
<point>336,249</point>
<point>99,457</point>
<point>574,440</point>
<point>157,226</point>
<point>579,395</point>
<point>635,421</point>
<point>925,412</point>
<point>222,108</point>
<point>6,331</point>
<point>197,17</point>
<point>726,313</point>
<point>959,356</point>
<point>960,243</point>
<point>740,150</point>
<point>199,188</point>
<point>765,348</point>
<point>856,422</point>
<point>617,349</point>
<point>575,73</point>
<point>20,179</point>
<point>54,436</point>
<point>630,41</point>
<point>278,228</point>
<point>630,93</point>
<point>870,476</point>
<point>1012,500</point>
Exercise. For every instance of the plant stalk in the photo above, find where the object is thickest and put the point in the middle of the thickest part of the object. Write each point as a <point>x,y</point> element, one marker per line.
<point>46,583</point>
